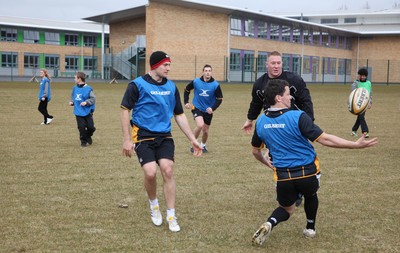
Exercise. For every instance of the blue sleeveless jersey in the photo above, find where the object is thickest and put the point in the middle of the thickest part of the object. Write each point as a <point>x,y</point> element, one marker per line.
<point>79,95</point>
<point>204,94</point>
<point>282,136</point>
<point>155,106</point>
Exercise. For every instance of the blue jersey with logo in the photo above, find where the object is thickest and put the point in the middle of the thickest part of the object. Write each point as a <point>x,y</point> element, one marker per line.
<point>204,94</point>
<point>79,95</point>
<point>155,107</point>
<point>282,136</point>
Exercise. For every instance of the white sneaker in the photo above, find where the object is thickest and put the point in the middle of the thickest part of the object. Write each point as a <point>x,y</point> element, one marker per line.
<point>173,224</point>
<point>309,233</point>
<point>49,120</point>
<point>262,233</point>
<point>42,123</point>
<point>156,216</point>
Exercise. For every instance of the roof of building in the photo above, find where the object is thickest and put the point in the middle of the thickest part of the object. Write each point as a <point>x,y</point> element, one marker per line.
<point>140,11</point>
<point>82,26</point>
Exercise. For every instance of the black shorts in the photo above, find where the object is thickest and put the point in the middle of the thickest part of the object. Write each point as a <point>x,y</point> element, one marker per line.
<point>288,191</point>
<point>206,116</point>
<point>154,150</point>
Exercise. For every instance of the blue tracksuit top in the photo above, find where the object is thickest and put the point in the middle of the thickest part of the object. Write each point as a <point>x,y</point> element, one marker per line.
<point>204,94</point>
<point>155,107</point>
<point>79,95</point>
<point>45,89</point>
<point>286,144</point>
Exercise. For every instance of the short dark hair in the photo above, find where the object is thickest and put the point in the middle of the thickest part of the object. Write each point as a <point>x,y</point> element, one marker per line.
<point>207,66</point>
<point>274,87</point>
<point>81,75</point>
<point>363,72</point>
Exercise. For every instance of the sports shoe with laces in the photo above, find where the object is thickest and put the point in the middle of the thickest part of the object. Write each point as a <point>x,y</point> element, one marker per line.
<point>366,134</point>
<point>49,120</point>
<point>353,133</point>
<point>205,150</point>
<point>173,224</point>
<point>309,233</point>
<point>262,233</point>
<point>156,216</point>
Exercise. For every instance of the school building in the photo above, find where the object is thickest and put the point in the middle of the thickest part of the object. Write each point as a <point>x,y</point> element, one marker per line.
<point>322,48</point>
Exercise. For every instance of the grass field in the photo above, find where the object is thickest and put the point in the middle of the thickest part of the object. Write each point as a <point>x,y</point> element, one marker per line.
<point>59,197</point>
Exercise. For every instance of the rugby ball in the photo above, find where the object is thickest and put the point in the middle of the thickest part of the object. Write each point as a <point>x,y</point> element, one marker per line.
<point>358,101</point>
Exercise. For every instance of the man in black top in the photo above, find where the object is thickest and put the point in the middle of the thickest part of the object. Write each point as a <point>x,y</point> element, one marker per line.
<point>301,98</point>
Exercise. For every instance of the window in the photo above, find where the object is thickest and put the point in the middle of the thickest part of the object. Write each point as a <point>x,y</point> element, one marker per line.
<point>249,28</point>
<point>90,40</point>
<point>341,42</point>
<point>275,30</point>
<point>329,21</point>
<point>316,36</point>
<point>9,59</point>
<point>296,35</point>
<point>325,39</point>
<point>31,61</point>
<point>31,37</point>
<point>248,61</point>
<point>71,62</point>
<point>262,29</point>
<point>261,60</point>
<point>106,41</point>
<point>8,34</point>
<point>329,65</point>
<point>52,38</point>
<point>51,61</point>
<point>71,39</point>
<point>307,64</point>
<point>344,67</point>
<point>333,40</point>
<point>286,32</point>
<point>234,60</point>
<point>350,20</point>
<point>236,26</point>
<point>90,63</point>
<point>307,38</point>
<point>286,62</point>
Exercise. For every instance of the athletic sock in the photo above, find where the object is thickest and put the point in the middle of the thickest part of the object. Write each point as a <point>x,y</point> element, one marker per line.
<point>311,207</point>
<point>202,145</point>
<point>171,212</point>
<point>277,216</point>
<point>153,202</point>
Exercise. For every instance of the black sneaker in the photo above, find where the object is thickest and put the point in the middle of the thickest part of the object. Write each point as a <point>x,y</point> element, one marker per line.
<point>205,150</point>
<point>191,149</point>
<point>89,140</point>
<point>84,144</point>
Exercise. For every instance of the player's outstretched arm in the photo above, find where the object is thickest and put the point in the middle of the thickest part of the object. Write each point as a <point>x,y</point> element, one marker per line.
<point>334,141</point>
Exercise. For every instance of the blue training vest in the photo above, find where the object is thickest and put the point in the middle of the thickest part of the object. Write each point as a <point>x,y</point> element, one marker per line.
<point>79,95</point>
<point>282,136</point>
<point>204,94</point>
<point>155,107</point>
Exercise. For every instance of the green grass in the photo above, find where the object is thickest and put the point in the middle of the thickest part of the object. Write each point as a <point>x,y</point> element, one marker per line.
<point>58,197</point>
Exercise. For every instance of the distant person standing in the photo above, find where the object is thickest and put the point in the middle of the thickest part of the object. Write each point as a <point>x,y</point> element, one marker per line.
<point>362,82</point>
<point>207,98</point>
<point>84,102</point>
<point>45,96</point>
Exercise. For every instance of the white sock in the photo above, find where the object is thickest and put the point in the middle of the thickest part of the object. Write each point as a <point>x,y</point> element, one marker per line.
<point>170,212</point>
<point>153,202</point>
<point>202,145</point>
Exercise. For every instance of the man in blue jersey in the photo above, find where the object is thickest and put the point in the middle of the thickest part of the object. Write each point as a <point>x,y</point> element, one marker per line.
<point>286,134</point>
<point>207,98</point>
<point>154,100</point>
<point>84,102</point>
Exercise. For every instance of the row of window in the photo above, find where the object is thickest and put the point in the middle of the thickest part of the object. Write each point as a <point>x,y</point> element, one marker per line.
<point>52,38</point>
<point>268,30</point>
<point>10,60</point>
<point>244,60</point>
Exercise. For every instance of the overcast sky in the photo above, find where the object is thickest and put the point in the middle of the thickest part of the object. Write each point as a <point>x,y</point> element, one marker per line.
<point>75,10</point>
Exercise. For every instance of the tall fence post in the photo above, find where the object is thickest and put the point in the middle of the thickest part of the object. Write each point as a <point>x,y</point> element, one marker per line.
<point>388,72</point>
